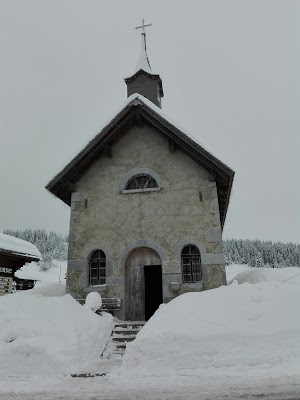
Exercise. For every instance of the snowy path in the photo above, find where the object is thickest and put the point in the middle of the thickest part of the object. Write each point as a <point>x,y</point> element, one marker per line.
<point>163,388</point>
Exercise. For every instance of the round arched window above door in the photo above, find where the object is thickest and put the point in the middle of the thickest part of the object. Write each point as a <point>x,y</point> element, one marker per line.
<point>140,182</point>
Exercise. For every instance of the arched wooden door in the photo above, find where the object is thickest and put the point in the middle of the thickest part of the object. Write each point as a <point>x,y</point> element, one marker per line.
<point>143,284</point>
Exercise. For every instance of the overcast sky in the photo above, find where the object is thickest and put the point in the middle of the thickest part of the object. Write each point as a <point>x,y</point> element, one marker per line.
<point>229,70</point>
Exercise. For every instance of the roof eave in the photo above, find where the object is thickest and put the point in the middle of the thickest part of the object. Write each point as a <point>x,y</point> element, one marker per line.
<point>25,256</point>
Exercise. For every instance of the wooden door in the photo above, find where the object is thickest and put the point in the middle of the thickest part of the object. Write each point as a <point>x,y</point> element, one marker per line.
<point>135,281</point>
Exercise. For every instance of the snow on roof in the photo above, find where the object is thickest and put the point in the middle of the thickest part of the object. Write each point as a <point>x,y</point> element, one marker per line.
<point>18,246</point>
<point>143,60</point>
<point>113,115</point>
<point>166,117</point>
<point>131,99</point>
<point>56,273</point>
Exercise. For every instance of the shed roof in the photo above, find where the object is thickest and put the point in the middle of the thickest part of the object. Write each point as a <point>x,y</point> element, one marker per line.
<point>18,247</point>
<point>138,111</point>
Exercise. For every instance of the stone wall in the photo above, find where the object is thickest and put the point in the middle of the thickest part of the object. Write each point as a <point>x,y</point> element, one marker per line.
<point>184,210</point>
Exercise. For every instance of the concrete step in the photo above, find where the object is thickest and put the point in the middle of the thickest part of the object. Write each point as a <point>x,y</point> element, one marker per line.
<point>121,346</point>
<point>123,333</point>
<point>130,325</point>
<point>123,339</point>
<point>126,331</point>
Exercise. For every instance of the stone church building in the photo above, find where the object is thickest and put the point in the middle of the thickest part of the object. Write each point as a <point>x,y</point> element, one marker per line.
<point>148,205</point>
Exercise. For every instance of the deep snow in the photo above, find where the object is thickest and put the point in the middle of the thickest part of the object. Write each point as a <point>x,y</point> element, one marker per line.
<point>238,328</point>
<point>56,273</point>
<point>48,336</point>
<point>241,341</point>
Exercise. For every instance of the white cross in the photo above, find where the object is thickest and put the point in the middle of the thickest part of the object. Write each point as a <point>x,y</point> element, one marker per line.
<point>143,26</point>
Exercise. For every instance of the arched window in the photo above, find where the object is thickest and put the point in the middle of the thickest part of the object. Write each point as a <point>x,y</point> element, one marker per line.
<point>140,182</point>
<point>191,264</point>
<point>97,266</point>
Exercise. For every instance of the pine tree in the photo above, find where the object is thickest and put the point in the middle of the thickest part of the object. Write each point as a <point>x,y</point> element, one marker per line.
<point>259,261</point>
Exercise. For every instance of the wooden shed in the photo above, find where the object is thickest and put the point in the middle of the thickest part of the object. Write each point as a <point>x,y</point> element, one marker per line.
<point>14,253</point>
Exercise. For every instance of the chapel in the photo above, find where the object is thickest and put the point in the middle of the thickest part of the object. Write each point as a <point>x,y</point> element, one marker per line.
<point>148,206</point>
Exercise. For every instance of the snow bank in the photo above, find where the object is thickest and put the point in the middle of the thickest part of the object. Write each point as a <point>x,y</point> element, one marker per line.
<point>226,330</point>
<point>56,273</point>
<point>18,246</point>
<point>257,275</point>
<point>47,289</point>
<point>48,335</point>
<point>233,269</point>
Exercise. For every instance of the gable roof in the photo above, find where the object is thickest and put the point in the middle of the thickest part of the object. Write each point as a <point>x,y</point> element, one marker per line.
<point>138,111</point>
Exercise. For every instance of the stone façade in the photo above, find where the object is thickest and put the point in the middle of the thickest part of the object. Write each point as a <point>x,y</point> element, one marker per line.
<point>183,211</point>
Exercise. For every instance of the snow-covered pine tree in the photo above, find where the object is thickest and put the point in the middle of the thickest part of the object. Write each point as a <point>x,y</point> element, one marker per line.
<point>273,254</point>
<point>259,261</point>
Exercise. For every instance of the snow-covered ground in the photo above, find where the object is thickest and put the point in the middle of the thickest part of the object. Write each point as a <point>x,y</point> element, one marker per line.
<point>56,273</point>
<point>238,329</point>
<point>48,336</point>
<point>239,341</point>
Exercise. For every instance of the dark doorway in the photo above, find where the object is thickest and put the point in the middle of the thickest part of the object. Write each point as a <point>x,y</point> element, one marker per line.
<point>135,281</point>
<point>153,289</point>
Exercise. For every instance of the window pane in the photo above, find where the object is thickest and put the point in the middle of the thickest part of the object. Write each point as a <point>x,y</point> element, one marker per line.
<point>194,250</point>
<point>94,274</point>
<point>132,185</point>
<point>186,278</point>
<point>185,250</point>
<point>95,255</point>
<point>141,181</point>
<point>196,269</point>
<point>94,281</point>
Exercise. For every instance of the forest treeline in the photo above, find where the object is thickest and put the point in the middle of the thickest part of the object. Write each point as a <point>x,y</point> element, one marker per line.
<point>255,253</point>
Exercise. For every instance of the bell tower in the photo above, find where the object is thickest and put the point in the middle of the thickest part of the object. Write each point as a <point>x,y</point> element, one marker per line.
<point>144,81</point>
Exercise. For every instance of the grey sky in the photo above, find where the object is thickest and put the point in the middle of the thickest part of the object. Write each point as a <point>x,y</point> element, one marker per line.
<point>229,70</point>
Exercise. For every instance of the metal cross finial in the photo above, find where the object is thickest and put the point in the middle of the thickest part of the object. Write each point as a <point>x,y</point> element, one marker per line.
<point>143,26</point>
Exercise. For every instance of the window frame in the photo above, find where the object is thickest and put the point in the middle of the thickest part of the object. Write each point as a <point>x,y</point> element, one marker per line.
<point>191,266</point>
<point>97,268</point>
<point>124,180</point>
<point>141,189</point>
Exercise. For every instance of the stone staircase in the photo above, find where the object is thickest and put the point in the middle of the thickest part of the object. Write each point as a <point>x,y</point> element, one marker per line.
<point>123,333</point>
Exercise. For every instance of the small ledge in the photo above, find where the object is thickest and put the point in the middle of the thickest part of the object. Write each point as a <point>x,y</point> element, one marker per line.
<point>140,190</point>
<point>96,288</point>
<point>193,285</point>
<point>104,284</point>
